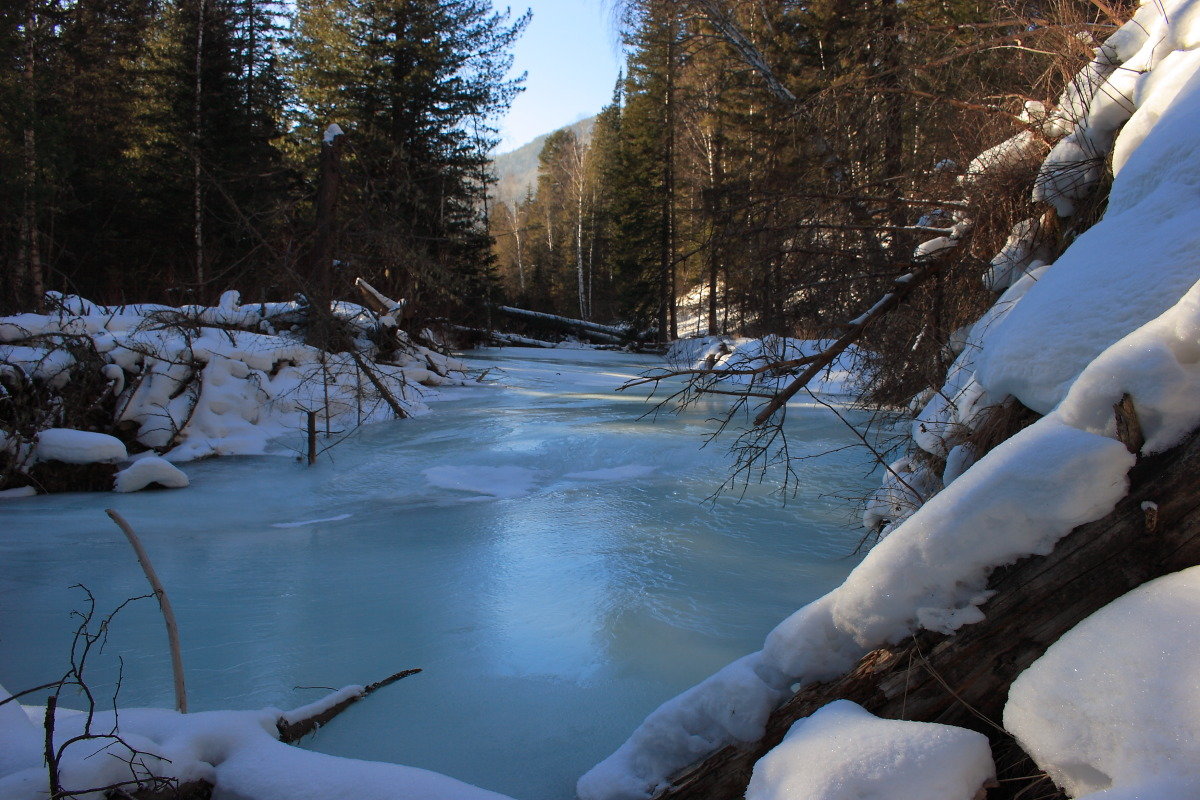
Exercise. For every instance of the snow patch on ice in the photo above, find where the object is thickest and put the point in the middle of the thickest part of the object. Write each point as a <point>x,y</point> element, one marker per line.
<point>497,482</point>
<point>148,470</point>
<point>79,447</point>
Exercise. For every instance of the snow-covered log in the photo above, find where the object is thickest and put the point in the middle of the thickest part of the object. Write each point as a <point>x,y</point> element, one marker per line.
<point>299,722</point>
<point>963,679</point>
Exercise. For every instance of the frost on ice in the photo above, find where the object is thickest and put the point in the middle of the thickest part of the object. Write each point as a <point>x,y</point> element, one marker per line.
<point>843,752</point>
<point>1115,703</point>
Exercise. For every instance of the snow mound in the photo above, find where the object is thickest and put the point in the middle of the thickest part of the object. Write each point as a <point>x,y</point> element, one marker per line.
<point>238,751</point>
<point>145,471</point>
<point>843,752</point>
<point>79,447</point>
<point>1115,703</point>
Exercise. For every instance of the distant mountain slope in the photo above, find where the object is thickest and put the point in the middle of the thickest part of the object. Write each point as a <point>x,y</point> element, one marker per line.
<point>517,170</point>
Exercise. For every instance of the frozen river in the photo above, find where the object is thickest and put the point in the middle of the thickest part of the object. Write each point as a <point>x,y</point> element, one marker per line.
<point>545,556</point>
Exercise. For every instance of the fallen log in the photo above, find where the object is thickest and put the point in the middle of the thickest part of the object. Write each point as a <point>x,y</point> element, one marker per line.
<point>606,334</point>
<point>963,679</point>
<point>502,339</point>
<point>300,722</point>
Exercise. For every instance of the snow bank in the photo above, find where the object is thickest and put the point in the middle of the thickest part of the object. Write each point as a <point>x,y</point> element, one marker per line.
<point>79,447</point>
<point>1118,313</point>
<point>842,752</point>
<point>931,574</point>
<point>1115,703</point>
<point>1101,288</point>
<point>223,380</point>
<point>238,751</point>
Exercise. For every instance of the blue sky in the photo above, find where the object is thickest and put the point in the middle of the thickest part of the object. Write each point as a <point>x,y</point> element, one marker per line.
<point>571,55</point>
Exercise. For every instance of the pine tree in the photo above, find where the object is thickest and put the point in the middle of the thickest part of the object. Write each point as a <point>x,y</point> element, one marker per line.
<point>415,84</point>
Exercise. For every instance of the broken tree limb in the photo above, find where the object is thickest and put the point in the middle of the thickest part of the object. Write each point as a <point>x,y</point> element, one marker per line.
<point>720,373</point>
<point>1129,427</point>
<point>163,603</point>
<point>902,287</point>
<point>503,339</point>
<point>300,722</point>
<point>379,302</point>
<point>963,679</point>
<point>388,397</point>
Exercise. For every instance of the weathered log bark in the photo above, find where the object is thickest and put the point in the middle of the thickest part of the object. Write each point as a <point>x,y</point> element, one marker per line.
<point>964,679</point>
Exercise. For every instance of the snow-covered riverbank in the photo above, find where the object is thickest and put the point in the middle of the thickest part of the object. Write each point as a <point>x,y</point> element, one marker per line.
<point>541,552</point>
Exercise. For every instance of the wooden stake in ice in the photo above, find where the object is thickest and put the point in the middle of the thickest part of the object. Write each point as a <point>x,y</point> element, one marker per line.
<point>163,603</point>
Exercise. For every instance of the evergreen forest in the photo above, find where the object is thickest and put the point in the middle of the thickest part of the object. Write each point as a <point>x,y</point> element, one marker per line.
<point>167,150</point>
<point>765,166</point>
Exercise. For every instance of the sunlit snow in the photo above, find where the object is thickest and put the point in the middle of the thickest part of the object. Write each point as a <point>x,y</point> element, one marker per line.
<point>547,624</point>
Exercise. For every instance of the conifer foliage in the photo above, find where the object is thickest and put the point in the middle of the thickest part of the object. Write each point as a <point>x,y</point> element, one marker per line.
<point>769,166</point>
<point>167,149</point>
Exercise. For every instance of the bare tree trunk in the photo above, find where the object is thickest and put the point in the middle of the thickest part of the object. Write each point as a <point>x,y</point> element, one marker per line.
<point>520,253</point>
<point>320,268</point>
<point>583,309</point>
<point>197,133</point>
<point>715,179</point>
<point>666,315</point>
<point>29,288</point>
<point>591,263</point>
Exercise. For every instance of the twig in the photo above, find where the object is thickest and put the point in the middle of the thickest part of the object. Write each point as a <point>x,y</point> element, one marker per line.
<point>163,603</point>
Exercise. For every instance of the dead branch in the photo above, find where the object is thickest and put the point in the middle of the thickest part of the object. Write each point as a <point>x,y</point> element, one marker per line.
<point>163,603</point>
<point>902,287</point>
<point>774,366</point>
<point>397,409</point>
<point>293,730</point>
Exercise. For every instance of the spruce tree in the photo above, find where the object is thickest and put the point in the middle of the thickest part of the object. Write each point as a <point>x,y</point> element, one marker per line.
<point>415,84</point>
